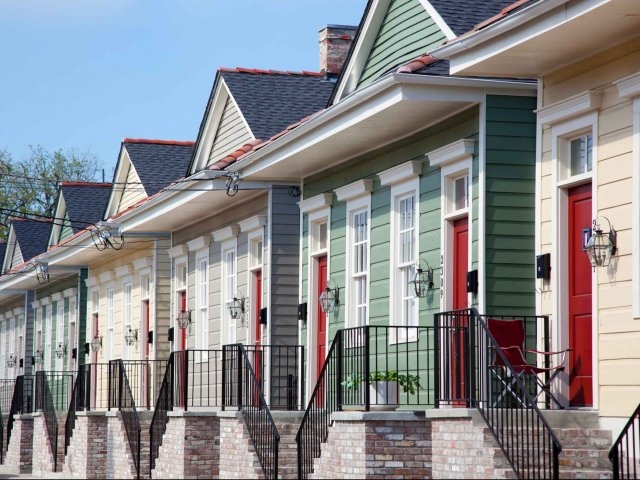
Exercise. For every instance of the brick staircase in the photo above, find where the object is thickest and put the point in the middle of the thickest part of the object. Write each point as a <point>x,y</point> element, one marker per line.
<point>287,424</point>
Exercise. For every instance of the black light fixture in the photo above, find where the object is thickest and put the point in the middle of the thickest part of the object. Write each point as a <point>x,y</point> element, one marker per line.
<point>236,307</point>
<point>329,299</point>
<point>107,235</point>
<point>131,336</point>
<point>11,361</point>
<point>601,246</point>
<point>61,351</point>
<point>96,343</point>
<point>422,281</point>
<point>183,319</point>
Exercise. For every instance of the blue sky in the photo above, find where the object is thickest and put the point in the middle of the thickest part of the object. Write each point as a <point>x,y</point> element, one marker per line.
<point>85,74</point>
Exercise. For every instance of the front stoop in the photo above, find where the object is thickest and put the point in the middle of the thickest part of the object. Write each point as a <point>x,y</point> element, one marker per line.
<point>43,463</point>
<point>87,453</point>
<point>190,446</point>
<point>287,423</point>
<point>376,445</point>
<point>238,458</point>
<point>19,456</point>
<point>119,459</point>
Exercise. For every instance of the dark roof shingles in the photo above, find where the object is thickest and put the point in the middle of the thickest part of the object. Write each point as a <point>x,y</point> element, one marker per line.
<point>463,15</point>
<point>32,236</point>
<point>86,203</point>
<point>159,163</point>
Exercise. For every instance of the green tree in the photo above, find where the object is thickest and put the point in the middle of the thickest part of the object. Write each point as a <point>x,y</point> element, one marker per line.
<point>28,187</point>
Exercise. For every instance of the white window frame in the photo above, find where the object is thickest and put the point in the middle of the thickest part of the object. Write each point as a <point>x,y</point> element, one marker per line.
<point>229,284</point>
<point>12,345</point>
<point>110,314</point>
<point>73,330</point>
<point>127,315</point>
<point>355,208</point>
<point>48,328</point>
<point>60,339</point>
<point>201,267</point>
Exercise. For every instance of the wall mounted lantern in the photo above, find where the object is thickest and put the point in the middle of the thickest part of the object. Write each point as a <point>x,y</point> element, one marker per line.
<point>236,307</point>
<point>422,281</point>
<point>96,343</point>
<point>184,319</point>
<point>329,299</point>
<point>601,246</point>
<point>61,351</point>
<point>38,357</point>
<point>131,336</point>
<point>11,361</point>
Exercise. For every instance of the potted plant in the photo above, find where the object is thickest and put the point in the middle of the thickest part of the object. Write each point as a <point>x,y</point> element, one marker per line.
<point>383,388</point>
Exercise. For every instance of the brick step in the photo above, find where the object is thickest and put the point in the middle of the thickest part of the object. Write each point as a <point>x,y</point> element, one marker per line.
<point>591,458</point>
<point>585,473</point>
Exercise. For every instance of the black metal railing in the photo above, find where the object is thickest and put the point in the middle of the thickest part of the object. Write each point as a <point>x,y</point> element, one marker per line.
<point>250,401</point>
<point>7,387</point>
<point>164,404</point>
<point>278,372</point>
<point>45,401</point>
<point>467,352</point>
<point>358,362</point>
<point>60,385</point>
<point>77,403</point>
<point>198,379</point>
<point>127,406</point>
<point>21,400</point>
<point>625,452</point>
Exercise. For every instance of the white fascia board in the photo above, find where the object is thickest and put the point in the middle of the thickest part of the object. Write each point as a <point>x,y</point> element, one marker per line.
<point>437,18</point>
<point>371,100</point>
<point>214,114</point>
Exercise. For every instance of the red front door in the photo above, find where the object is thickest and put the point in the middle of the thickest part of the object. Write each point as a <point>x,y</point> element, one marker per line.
<point>580,325</point>
<point>459,330</point>
<point>258,327</point>
<point>321,317</point>
<point>182,301</point>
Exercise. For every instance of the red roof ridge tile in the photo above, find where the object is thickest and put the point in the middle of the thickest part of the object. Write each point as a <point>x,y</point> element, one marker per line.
<point>260,71</point>
<point>416,64</point>
<point>503,13</point>
<point>158,142</point>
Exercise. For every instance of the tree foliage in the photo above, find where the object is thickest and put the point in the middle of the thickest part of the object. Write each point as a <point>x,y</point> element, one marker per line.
<point>29,187</point>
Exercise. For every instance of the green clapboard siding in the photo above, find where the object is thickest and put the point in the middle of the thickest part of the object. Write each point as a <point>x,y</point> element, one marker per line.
<point>510,204</point>
<point>406,32</point>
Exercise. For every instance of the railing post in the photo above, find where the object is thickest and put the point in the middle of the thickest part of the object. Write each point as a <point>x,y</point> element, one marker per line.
<point>339,374</point>
<point>120,384</point>
<point>367,368</point>
<point>224,377</point>
<point>470,383</point>
<point>185,382</point>
<point>615,461</point>
<point>239,377</point>
<point>436,351</point>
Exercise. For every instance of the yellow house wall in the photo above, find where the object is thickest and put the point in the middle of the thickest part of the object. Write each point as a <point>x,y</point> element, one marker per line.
<point>618,333</point>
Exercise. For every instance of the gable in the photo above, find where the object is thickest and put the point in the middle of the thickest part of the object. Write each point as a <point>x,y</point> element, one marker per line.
<point>407,31</point>
<point>132,190</point>
<point>231,133</point>
<point>61,217</point>
<point>13,255</point>
<point>392,32</point>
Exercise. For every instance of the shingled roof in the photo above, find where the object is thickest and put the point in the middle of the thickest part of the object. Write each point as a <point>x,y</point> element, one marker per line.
<point>31,235</point>
<point>159,162</point>
<point>271,100</point>
<point>463,15</point>
<point>85,202</point>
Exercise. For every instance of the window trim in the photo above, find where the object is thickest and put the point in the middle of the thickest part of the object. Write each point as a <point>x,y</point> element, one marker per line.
<point>201,307</point>
<point>229,325</point>
<point>354,207</point>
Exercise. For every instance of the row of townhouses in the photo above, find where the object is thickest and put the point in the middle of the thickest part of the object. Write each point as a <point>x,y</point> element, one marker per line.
<point>421,262</point>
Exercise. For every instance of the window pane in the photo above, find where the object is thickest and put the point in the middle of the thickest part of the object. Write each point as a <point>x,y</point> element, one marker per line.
<point>322,235</point>
<point>460,189</point>
<point>580,152</point>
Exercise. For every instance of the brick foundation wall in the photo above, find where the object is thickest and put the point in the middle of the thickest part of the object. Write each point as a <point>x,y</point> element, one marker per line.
<point>376,445</point>
<point>119,462</point>
<point>20,450</point>
<point>43,462</point>
<point>190,446</point>
<point>238,458</point>
<point>87,453</point>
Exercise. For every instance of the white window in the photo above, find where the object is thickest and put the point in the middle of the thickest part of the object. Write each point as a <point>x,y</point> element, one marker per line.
<point>72,330</point>
<point>60,340</point>
<point>229,287</point>
<point>127,289</point>
<point>48,325</point>
<point>202,300</point>
<point>12,343</point>
<point>404,258</point>
<point>110,320</point>
<point>360,265</point>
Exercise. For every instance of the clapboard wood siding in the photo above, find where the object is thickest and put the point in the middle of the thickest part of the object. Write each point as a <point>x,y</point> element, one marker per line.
<point>232,133</point>
<point>284,229</point>
<point>65,230</point>
<point>160,296</point>
<point>510,204</point>
<point>406,32</point>
<point>133,191</point>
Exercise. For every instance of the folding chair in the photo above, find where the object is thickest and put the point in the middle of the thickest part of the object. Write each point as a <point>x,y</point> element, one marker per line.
<point>510,336</point>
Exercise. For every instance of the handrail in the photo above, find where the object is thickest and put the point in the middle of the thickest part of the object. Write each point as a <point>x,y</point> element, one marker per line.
<point>1,438</point>
<point>163,405</point>
<point>527,440</point>
<point>76,404</point>
<point>45,401</point>
<point>314,428</point>
<point>18,403</point>
<point>625,452</point>
<point>130,419</point>
<point>257,416</point>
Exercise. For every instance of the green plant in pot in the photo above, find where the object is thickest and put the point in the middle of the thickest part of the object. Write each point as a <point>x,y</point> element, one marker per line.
<point>383,387</point>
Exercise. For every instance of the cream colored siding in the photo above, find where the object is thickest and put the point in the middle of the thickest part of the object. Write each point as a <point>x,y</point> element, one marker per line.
<point>133,191</point>
<point>161,284</point>
<point>232,133</point>
<point>618,332</point>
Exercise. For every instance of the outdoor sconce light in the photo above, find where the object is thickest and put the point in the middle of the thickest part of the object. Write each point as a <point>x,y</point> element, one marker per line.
<point>131,336</point>
<point>601,246</point>
<point>107,234</point>
<point>329,299</point>
<point>39,355</point>
<point>184,319</point>
<point>11,361</point>
<point>422,281</point>
<point>61,351</point>
<point>96,343</point>
<point>236,307</point>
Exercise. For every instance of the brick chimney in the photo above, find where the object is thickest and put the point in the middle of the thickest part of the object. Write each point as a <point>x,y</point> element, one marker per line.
<point>335,41</point>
